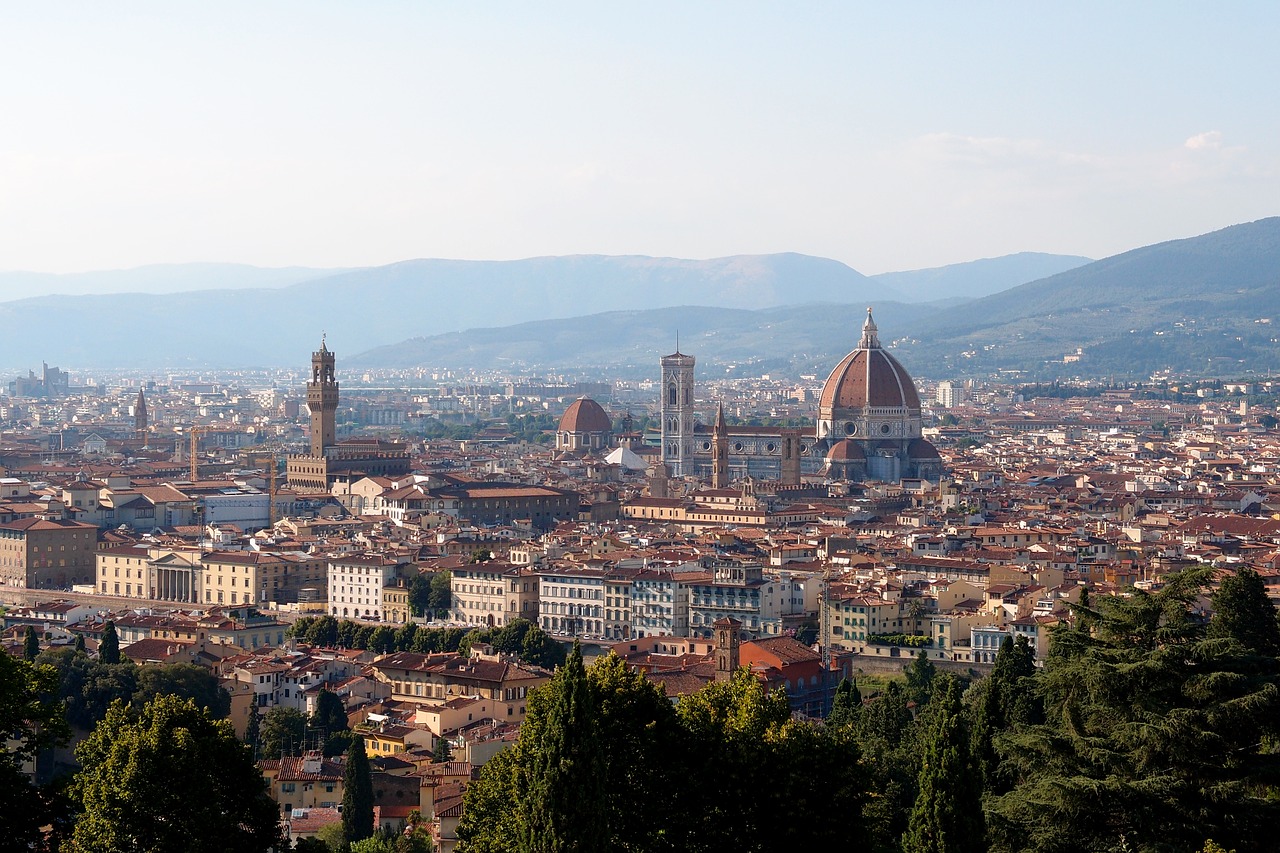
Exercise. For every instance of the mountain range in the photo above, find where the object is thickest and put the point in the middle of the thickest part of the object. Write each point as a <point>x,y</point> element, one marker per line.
<point>1202,305</point>
<point>274,317</point>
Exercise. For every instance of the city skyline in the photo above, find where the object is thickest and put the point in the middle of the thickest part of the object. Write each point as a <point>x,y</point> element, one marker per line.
<point>888,139</point>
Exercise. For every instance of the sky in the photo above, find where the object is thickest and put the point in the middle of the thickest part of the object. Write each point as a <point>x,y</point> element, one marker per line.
<point>889,136</point>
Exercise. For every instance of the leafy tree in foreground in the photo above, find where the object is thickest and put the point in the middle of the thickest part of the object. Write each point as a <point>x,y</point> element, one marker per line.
<point>310,845</point>
<point>441,598</point>
<point>490,823</point>
<point>170,778</point>
<point>562,767</point>
<point>636,727</point>
<point>1242,611</point>
<point>846,707</point>
<point>31,723</point>
<point>330,722</point>
<point>419,595</point>
<point>539,649</point>
<point>602,750</point>
<point>947,816</point>
<point>887,735</point>
<point>920,675</point>
<point>284,732</point>
<point>186,681</point>
<point>357,795</point>
<point>1156,736</point>
<point>1003,700</point>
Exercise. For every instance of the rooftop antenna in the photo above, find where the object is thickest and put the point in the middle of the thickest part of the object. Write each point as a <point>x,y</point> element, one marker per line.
<point>677,341</point>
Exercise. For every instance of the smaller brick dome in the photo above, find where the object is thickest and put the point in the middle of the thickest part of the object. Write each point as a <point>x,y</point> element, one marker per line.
<point>585,415</point>
<point>845,451</point>
<point>921,449</point>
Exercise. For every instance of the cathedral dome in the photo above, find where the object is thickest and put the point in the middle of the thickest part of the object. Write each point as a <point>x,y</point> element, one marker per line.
<point>869,377</point>
<point>585,415</point>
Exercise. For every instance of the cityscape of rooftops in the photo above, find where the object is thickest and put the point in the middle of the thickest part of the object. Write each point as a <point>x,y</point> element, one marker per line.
<point>671,428</point>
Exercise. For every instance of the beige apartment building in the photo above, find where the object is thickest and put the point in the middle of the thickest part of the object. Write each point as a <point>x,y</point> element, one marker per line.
<point>40,553</point>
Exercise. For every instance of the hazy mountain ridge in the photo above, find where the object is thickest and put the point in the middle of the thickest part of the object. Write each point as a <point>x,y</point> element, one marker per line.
<point>974,279</point>
<point>1179,303</point>
<point>789,338</point>
<point>1195,305</point>
<point>1183,303</point>
<point>154,278</point>
<point>365,308</point>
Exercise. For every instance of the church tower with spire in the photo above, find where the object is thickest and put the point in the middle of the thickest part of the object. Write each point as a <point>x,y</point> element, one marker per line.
<point>140,419</point>
<point>322,400</point>
<point>719,451</point>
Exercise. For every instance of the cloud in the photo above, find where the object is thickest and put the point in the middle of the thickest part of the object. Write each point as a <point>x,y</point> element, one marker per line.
<point>1209,140</point>
<point>996,151</point>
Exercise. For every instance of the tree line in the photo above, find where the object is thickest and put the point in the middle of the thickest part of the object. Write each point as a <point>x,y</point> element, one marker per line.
<point>1149,729</point>
<point>518,637</point>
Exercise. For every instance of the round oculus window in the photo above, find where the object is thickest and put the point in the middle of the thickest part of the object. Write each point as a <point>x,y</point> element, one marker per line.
<point>884,428</point>
<point>850,428</point>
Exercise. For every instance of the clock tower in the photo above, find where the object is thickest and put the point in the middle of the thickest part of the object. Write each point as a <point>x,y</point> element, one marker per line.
<point>322,400</point>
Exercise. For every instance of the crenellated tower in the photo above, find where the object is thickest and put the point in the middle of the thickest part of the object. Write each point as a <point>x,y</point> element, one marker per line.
<point>322,400</point>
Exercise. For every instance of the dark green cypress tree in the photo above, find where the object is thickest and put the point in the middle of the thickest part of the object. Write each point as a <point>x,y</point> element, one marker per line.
<point>563,806</point>
<point>846,705</point>
<point>357,794</point>
<point>253,729</point>
<point>30,644</point>
<point>80,644</point>
<point>920,675</point>
<point>947,816</point>
<point>1242,611</point>
<point>109,646</point>
<point>443,752</point>
<point>330,716</point>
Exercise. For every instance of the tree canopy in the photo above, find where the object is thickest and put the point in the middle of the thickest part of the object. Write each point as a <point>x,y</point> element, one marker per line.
<point>170,778</point>
<point>602,751</point>
<point>31,723</point>
<point>1159,733</point>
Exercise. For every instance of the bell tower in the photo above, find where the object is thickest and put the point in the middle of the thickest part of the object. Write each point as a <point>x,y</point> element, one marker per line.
<point>677,413</point>
<point>322,400</point>
<point>719,451</point>
<point>140,419</point>
<point>727,647</point>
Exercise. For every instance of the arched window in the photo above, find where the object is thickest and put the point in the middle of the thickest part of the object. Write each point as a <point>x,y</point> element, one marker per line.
<point>671,395</point>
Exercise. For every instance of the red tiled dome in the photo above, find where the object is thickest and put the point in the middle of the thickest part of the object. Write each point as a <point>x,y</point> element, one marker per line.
<point>585,415</point>
<point>869,377</point>
<point>921,449</point>
<point>845,451</point>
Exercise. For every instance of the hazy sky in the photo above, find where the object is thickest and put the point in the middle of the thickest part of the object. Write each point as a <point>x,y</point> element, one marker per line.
<point>887,135</point>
